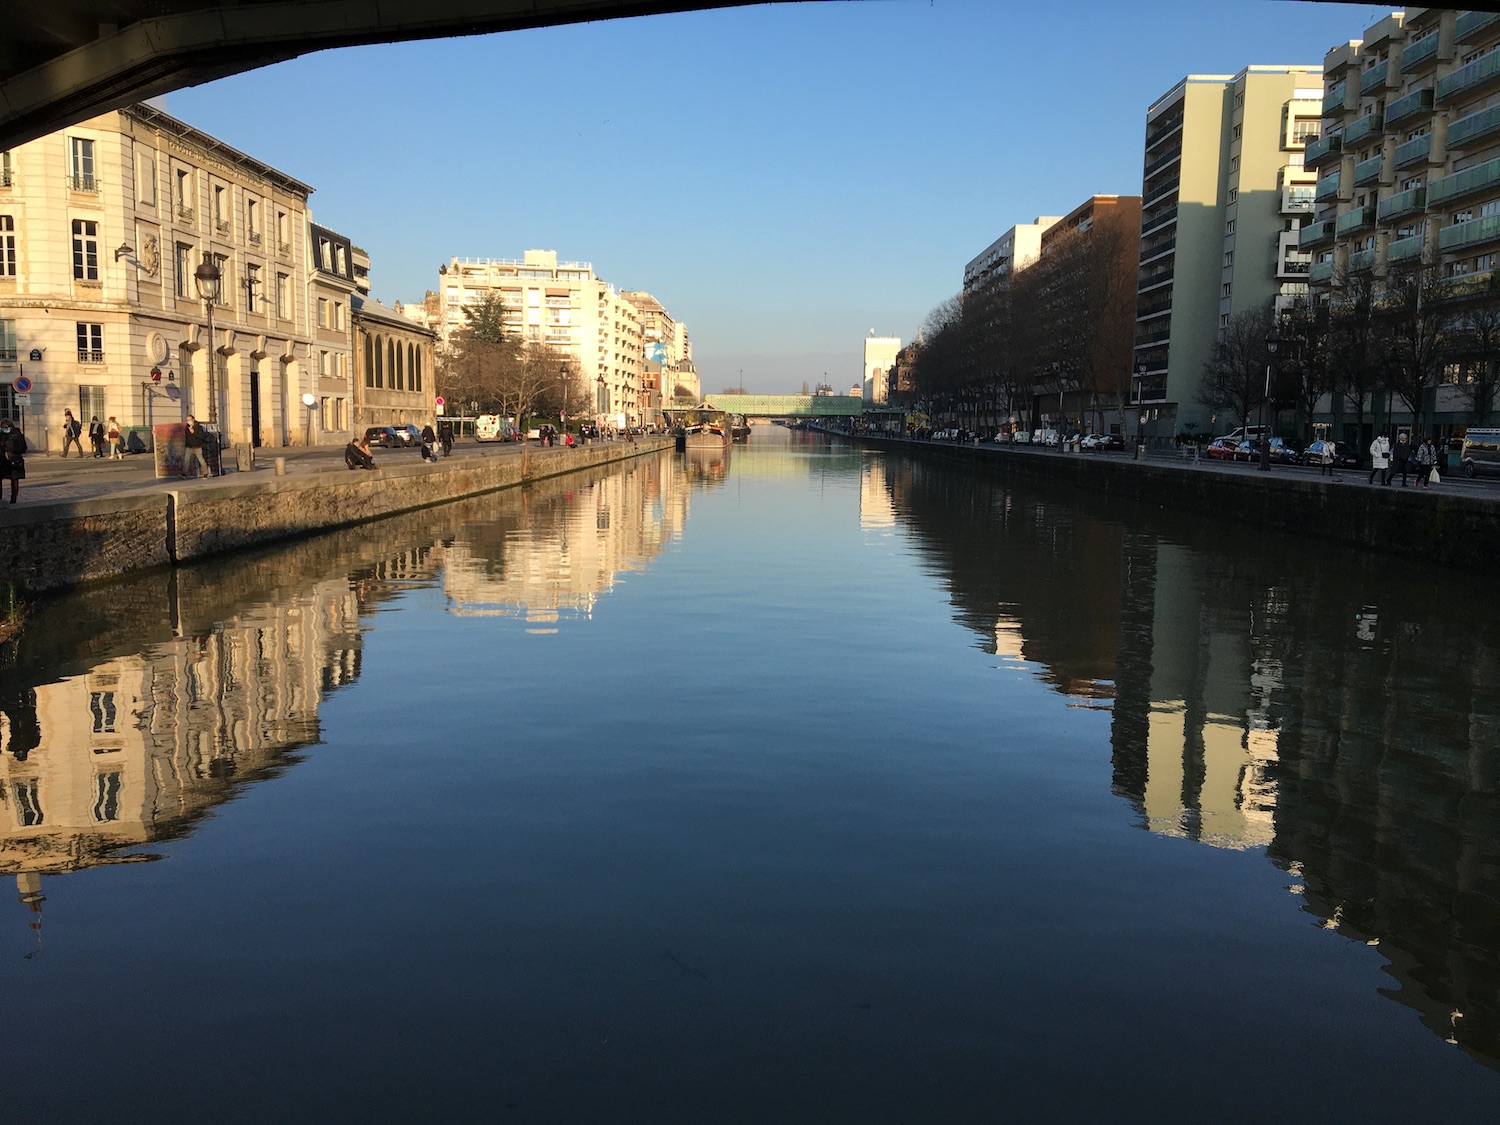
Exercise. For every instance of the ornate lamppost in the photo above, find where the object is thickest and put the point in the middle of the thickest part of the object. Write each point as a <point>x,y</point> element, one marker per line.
<point>1273,341</point>
<point>209,279</point>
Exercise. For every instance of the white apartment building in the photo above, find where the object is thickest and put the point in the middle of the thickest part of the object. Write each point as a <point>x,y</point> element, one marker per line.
<point>1014,250</point>
<point>563,305</point>
<point>102,226</point>
<point>880,357</point>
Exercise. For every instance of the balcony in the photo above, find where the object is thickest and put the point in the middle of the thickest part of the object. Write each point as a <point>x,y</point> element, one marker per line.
<point>1375,78</point>
<point>1158,221</point>
<point>284,249</point>
<point>1297,199</point>
<point>1172,157</point>
<point>185,215</point>
<point>1151,281</point>
<point>1315,233</point>
<point>1398,206</point>
<point>1333,101</point>
<point>1328,188</point>
<point>1369,171</point>
<point>1158,250</point>
<point>1320,273</point>
<point>1291,269</point>
<point>83,183</point>
<point>89,355</point>
<point>1322,150</point>
<point>1419,53</point>
<point>1403,249</point>
<point>1418,150</point>
<point>1411,106</point>
<point>1476,231</point>
<point>8,355</point>
<point>1470,24</point>
<point>1164,191</point>
<point>1468,129</point>
<point>1361,260</point>
<point>1366,126</point>
<point>1467,80</point>
<point>221,226</point>
<point>1357,219</point>
<point>255,238</point>
<point>1481,177</point>
<point>1163,131</point>
<point>1155,308</point>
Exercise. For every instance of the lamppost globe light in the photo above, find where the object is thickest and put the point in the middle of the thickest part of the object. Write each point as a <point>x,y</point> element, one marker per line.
<point>209,279</point>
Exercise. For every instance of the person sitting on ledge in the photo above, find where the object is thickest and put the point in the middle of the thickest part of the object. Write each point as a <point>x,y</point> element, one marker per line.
<point>357,455</point>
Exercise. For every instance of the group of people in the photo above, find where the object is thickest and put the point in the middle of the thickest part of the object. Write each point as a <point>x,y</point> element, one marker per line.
<point>100,434</point>
<point>1387,459</point>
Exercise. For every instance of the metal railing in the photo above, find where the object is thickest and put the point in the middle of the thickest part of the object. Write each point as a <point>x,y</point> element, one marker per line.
<point>78,182</point>
<point>1471,233</point>
<point>1478,178</point>
<point>1474,126</point>
<point>1409,202</point>
<point>1466,78</point>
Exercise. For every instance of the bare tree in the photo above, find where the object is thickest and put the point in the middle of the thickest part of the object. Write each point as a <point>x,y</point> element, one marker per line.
<point>1475,351</point>
<point>1234,379</point>
<point>1354,342</point>
<point>1419,321</point>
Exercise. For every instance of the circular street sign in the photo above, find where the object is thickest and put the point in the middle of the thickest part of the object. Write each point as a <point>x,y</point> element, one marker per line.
<point>22,384</point>
<point>438,401</point>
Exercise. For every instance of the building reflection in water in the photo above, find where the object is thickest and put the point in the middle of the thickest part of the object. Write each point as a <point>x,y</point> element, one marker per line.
<point>1328,706</point>
<point>99,756</point>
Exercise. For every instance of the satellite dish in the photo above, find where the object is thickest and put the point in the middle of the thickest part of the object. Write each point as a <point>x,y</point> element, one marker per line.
<point>309,400</point>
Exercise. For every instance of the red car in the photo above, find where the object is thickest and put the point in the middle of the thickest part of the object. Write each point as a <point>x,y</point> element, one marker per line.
<point>1221,449</point>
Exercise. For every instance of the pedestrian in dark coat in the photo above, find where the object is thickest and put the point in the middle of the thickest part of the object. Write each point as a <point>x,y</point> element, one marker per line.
<point>12,456</point>
<point>96,435</point>
<point>72,427</point>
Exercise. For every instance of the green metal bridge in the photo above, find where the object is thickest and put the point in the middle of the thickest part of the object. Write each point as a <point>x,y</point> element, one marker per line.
<point>786,406</point>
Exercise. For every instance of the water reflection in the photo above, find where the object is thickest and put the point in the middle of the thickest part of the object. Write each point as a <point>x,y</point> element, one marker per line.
<point>1330,706</point>
<point>130,711</point>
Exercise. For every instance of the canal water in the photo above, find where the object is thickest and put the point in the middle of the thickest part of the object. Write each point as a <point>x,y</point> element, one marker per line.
<point>806,784</point>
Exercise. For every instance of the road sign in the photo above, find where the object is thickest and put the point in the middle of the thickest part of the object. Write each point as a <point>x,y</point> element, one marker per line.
<point>21,384</point>
<point>441,408</point>
<point>438,401</point>
<point>23,400</point>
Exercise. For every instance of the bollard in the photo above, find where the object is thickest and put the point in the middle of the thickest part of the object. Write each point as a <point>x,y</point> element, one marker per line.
<point>280,466</point>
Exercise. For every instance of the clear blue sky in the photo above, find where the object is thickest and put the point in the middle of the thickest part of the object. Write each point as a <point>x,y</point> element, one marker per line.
<point>783,178</point>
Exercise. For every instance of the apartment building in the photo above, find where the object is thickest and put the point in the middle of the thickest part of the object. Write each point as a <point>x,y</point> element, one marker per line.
<point>1014,250</point>
<point>880,362</point>
<point>563,305</point>
<point>331,289</point>
<point>1224,197</point>
<point>102,227</point>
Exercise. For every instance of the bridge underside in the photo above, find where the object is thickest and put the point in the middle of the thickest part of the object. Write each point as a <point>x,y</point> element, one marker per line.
<point>62,61</point>
<point>787,406</point>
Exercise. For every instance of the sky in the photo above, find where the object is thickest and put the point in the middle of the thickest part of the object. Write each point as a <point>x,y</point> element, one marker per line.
<point>784,178</point>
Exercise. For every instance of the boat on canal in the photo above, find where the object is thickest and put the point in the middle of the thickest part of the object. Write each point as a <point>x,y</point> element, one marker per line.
<point>703,428</point>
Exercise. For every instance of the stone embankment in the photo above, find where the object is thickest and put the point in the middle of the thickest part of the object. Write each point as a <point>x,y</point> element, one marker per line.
<point>55,546</point>
<point>1440,524</point>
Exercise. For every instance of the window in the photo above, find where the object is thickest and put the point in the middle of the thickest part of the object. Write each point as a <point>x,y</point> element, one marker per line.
<point>1225,291</point>
<point>1234,165</point>
<point>325,367</point>
<point>325,254</point>
<point>107,797</point>
<point>283,241</point>
<point>1234,193</point>
<point>416,382</point>
<point>81,164</point>
<point>252,221</point>
<point>1484,262</point>
<point>7,246</point>
<point>7,341</point>
<point>184,194</point>
<point>1239,100</point>
<point>85,250</point>
<point>145,179</point>
<point>322,312</point>
<point>102,707</point>
<point>5,169</point>
<point>338,314</point>
<point>341,412</point>
<point>221,209</point>
<point>369,363</point>
<point>325,418</point>
<point>28,802</point>
<point>184,261</point>
<point>90,343</point>
<point>341,261</point>
<point>1228,259</point>
<point>91,403</point>
<point>1239,131</point>
<point>283,297</point>
<point>253,295</point>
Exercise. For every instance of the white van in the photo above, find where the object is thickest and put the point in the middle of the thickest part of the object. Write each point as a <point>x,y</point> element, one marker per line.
<point>1481,454</point>
<point>492,427</point>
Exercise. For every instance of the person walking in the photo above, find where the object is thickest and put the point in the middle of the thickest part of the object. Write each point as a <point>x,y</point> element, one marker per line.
<point>12,456</point>
<point>1380,459</point>
<point>72,428</point>
<point>192,448</point>
<point>1401,457</point>
<point>96,437</point>
<point>1326,459</point>
<point>116,439</point>
<point>1426,464</point>
<point>445,437</point>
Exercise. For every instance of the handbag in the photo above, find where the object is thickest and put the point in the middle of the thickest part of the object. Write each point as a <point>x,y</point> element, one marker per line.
<point>1433,477</point>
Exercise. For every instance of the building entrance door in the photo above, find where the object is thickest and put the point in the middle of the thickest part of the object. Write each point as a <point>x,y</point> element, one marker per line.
<point>255,403</point>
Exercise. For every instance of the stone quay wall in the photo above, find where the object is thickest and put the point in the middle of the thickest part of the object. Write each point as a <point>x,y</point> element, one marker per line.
<point>1438,525</point>
<point>47,547</point>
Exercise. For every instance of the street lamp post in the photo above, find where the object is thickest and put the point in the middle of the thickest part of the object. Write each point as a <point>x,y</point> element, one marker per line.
<point>563,418</point>
<point>1272,343</point>
<point>210,280</point>
<point>1135,400</point>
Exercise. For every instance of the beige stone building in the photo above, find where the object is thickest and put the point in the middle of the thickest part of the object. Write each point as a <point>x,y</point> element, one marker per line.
<point>102,226</point>
<point>880,358</point>
<point>394,359</point>
<point>331,290</point>
<point>564,305</point>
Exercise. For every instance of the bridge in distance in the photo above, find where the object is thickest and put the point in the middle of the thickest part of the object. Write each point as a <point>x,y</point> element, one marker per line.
<point>62,61</point>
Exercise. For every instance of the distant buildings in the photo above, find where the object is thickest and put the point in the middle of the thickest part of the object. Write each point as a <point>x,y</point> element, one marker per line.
<point>880,358</point>
<point>1014,250</point>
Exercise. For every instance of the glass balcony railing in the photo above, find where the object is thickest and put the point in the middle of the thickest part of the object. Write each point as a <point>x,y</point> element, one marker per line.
<point>1468,129</point>
<point>1470,24</point>
<point>1366,126</point>
<point>1467,79</point>
<point>1419,53</point>
<point>1296,201</point>
<point>1320,273</point>
<point>1409,106</point>
<point>1481,177</point>
<point>1322,149</point>
<point>1374,78</point>
<point>1157,221</point>
<point>1472,233</point>
<point>1357,219</point>
<point>1368,171</point>
<point>1315,233</point>
<point>1410,202</point>
<point>1361,260</point>
<point>1161,192</point>
<point>1160,277</point>
<point>1328,188</point>
<point>1162,130</point>
<point>1172,156</point>
<point>1404,249</point>
<point>1415,151</point>
<point>1333,101</point>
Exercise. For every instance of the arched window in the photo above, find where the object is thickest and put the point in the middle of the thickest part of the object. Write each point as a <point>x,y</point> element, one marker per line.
<point>418,369</point>
<point>390,364</point>
<point>379,362</point>
<point>400,367</point>
<point>369,362</point>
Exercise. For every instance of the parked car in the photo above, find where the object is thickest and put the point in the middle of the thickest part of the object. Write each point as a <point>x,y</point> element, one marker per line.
<point>1481,453</point>
<point>1020,437</point>
<point>1089,441</point>
<point>409,434</point>
<point>1343,456</point>
<point>384,436</point>
<point>1221,449</point>
<point>1110,443</point>
<point>1247,451</point>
